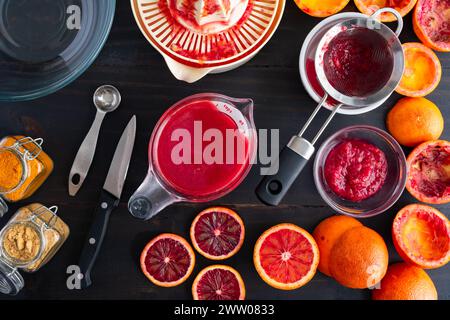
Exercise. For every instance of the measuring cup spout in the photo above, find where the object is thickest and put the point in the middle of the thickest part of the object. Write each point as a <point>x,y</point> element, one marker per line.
<point>245,106</point>
<point>150,198</point>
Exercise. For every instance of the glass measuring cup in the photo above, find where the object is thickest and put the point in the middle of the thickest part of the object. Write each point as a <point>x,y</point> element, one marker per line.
<point>201,149</point>
<point>296,154</point>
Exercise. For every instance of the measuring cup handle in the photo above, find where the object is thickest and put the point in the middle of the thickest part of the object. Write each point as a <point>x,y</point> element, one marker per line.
<point>397,15</point>
<point>293,158</point>
<point>150,198</point>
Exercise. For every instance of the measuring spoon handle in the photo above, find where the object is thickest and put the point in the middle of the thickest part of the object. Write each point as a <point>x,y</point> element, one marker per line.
<point>85,155</point>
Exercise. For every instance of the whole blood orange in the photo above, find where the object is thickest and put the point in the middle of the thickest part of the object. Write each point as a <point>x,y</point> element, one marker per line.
<point>217,233</point>
<point>286,256</point>
<point>167,260</point>
<point>218,282</point>
<point>359,259</point>
<point>422,72</point>
<point>327,233</point>
<point>428,177</point>
<point>370,6</point>
<point>415,120</point>
<point>421,236</point>
<point>321,8</point>
<point>431,23</point>
<point>405,282</point>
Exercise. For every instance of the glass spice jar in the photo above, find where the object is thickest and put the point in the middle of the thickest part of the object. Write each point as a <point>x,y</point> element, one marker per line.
<point>28,241</point>
<point>24,166</point>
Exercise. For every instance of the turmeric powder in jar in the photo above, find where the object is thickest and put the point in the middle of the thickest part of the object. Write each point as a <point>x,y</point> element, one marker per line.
<point>12,170</point>
<point>24,167</point>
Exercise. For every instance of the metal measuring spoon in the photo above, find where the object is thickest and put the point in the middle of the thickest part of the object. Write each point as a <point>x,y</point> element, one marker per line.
<point>106,99</point>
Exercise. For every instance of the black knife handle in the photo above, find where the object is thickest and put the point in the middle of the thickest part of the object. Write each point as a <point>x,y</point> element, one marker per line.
<point>94,240</point>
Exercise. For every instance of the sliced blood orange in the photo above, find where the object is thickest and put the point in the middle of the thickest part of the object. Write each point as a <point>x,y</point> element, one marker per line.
<point>421,236</point>
<point>321,8</point>
<point>167,260</point>
<point>217,233</point>
<point>431,23</point>
<point>218,282</point>
<point>429,172</point>
<point>422,72</point>
<point>286,256</point>
<point>370,6</point>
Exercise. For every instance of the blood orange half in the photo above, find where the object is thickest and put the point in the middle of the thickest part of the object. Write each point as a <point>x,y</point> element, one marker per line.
<point>167,260</point>
<point>370,6</point>
<point>218,282</point>
<point>429,172</point>
<point>422,72</point>
<point>431,23</point>
<point>286,256</point>
<point>217,233</point>
<point>421,236</point>
<point>321,8</point>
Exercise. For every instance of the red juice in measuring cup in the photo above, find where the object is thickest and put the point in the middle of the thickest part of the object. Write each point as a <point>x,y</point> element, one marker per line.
<point>193,174</point>
<point>200,150</point>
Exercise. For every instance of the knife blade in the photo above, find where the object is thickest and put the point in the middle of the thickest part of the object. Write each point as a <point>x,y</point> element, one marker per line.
<point>121,160</point>
<point>109,200</point>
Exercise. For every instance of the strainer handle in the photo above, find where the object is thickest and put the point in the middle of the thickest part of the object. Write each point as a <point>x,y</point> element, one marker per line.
<point>291,162</point>
<point>397,15</point>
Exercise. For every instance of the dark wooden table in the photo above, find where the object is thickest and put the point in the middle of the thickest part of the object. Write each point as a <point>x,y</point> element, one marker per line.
<point>148,88</point>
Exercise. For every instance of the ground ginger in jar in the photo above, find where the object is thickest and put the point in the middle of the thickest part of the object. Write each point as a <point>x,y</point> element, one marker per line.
<point>27,242</point>
<point>55,233</point>
<point>32,237</point>
<point>24,167</point>
<point>22,242</point>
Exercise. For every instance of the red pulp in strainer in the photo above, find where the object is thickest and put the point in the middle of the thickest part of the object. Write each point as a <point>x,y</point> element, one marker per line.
<point>358,62</point>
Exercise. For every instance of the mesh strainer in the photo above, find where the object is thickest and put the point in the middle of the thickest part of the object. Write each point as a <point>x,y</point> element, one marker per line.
<point>336,84</point>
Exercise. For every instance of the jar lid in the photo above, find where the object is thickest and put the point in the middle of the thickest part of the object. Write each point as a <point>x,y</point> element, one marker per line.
<point>11,281</point>
<point>33,149</point>
<point>3,207</point>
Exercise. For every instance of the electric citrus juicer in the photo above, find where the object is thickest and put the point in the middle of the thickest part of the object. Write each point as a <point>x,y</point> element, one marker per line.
<point>201,149</point>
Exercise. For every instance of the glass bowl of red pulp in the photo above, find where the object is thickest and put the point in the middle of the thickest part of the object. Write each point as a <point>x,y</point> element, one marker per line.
<point>360,171</point>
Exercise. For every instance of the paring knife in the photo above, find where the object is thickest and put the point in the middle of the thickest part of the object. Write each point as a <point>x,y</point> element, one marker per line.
<point>109,200</point>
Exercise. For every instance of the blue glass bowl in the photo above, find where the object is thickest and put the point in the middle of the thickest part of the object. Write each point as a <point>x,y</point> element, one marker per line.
<point>47,44</point>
